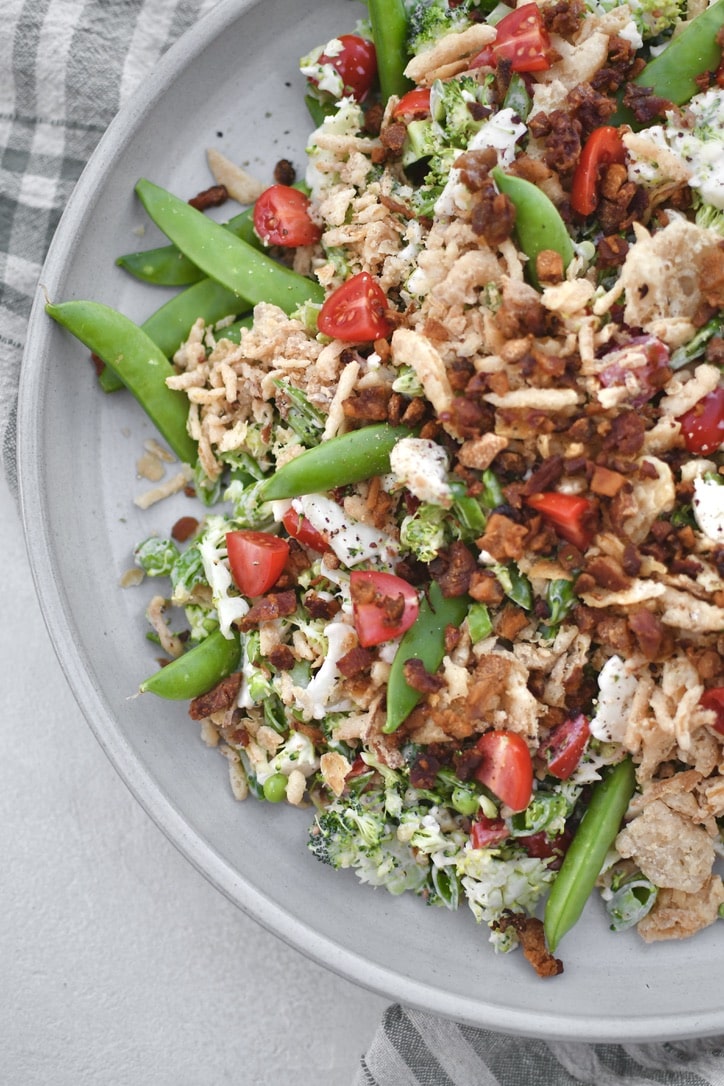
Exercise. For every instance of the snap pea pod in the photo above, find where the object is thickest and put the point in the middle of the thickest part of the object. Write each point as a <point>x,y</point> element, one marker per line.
<point>137,360</point>
<point>517,97</point>
<point>425,640</point>
<point>166,266</point>
<point>673,73</point>
<point>389,32</point>
<point>169,326</point>
<point>198,670</point>
<point>538,225</point>
<point>577,877</point>
<point>223,257</point>
<point>348,458</point>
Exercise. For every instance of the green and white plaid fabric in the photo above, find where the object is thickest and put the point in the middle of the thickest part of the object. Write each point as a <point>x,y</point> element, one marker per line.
<point>67,67</point>
<point>415,1049</point>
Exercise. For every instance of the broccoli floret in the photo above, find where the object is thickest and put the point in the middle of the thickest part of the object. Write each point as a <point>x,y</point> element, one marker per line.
<point>652,17</point>
<point>356,834</point>
<point>710,218</point>
<point>156,556</point>
<point>429,21</point>
<point>424,531</point>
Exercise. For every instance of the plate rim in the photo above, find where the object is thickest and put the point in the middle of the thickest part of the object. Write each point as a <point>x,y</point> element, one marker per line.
<point>294,931</point>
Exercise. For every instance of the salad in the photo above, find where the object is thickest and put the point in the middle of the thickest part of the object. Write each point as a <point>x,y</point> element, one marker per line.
<point>450,393</point>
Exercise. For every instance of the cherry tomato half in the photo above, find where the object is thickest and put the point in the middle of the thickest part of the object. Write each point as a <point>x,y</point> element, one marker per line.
<point>570,514</point>
<point>506,768</point>
<point>281,217</point>
<point>356,63</point>
<point>256,560</point>
<point>703,425</point>
<point>383,606</point>
<point>416,103</point>
<point>565,745</point>
<point>356,311</point>
<point>486,832</point>
<point>520,38</point>
<point>602,147</point>
<point>301,529</point>
<point>714,699</point>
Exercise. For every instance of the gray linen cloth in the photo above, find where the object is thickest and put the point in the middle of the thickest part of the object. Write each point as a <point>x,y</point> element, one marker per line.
<point>67,67</point>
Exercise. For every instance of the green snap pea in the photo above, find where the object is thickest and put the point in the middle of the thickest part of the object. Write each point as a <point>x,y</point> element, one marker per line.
<point>167,266</point>
<point>577,877</point>
<point>517,97</point>
<point>425,640</point>
<point>538,225</point>
<point>691,53</point>
<point>348,458</point>
<point>137,360</point>
<point>170,325</point>
<point>389,31</point>
<point>198,670</point>
<point>224,257</point>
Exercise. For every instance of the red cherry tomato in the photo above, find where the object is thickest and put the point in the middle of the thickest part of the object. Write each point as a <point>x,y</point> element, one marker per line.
<point>703,425</point>
<point>714,699</point>
<point>570,514</point>
<point>356,63</point>
<point>506,768</point>
<point>520,38</point>
<point>602,147</point>
<point>416,103</point>
<point>301,529</point>
<point>281,217</point>
<point>356,311</point>
<point>383,606</point>
<point>565,745</point>
<point>486,832</point>
<point>256,560</point>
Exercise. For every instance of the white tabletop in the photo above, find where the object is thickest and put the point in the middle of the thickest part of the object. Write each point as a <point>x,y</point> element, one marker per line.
<point>121,965</point>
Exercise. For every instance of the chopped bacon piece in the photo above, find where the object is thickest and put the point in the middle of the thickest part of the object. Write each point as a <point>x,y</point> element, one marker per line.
<point>222,696</point>
<point>529,930</point>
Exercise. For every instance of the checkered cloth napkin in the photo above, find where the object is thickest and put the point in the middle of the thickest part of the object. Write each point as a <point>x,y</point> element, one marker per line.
<point>67,67</point>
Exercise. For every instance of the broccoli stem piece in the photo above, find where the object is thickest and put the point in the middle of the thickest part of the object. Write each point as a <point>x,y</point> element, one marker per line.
<point>389,32</point>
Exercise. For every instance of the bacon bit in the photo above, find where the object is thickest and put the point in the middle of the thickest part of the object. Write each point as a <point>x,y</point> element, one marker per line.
<point>367,404</point>
<point>419,678</point>
<point>424,770</point>
<point>503,538</point>
<point>649,632</point>
<point>214,196</point>
<point>510,621</point>
<point>275,605</point>
<point>318,607</point>
<point>355,662</point>
<point>393,137</point>
<point>221,696</point>
<point>529,930</point>
<point>184,528</point>
<point>612,251</point>
<point>284,172</point>
<point>545,476</point>
<point>606,482</point>
<point>451,638</point>
<point>644,104</point>
<point>485,588</point>
<point>453,568</point>
<point>282,658</point>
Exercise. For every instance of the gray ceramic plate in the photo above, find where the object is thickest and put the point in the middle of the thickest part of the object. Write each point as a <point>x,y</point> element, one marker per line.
<point>232,83</point>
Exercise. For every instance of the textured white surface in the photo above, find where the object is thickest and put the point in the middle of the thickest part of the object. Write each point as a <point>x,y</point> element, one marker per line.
<point>120,964</point>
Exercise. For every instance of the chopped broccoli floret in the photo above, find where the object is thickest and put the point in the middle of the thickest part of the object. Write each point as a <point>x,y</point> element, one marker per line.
<point>652,17</point>
<point>710,218</point>
<point>429,21</point>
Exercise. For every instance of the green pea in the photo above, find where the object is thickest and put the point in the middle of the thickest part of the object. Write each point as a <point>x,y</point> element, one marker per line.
<point>224,257</point>
<point>583,861</point>
<point>275,788</point>
<point>137,360</point>
<point>464,801</point>
<point>198,670</point>
<point>538,225</point>
<point>348,458</point>
<point>425,640</point>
